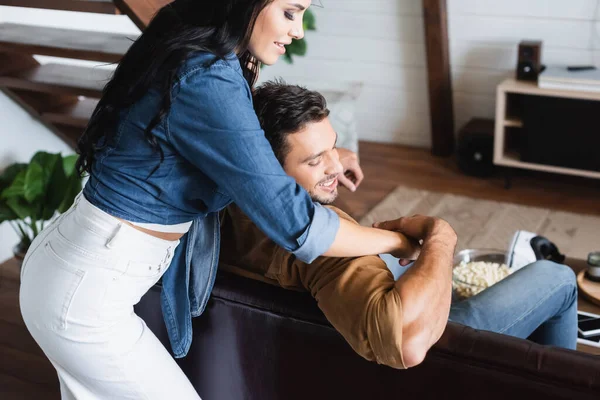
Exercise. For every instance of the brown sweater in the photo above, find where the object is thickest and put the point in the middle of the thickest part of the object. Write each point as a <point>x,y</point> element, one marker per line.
<point>357,295</point>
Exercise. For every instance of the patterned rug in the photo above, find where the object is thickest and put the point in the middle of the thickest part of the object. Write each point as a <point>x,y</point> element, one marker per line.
<point>491,224</point>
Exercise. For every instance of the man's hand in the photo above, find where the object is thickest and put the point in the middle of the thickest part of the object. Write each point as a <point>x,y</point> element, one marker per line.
<point>353,174</point>
<point>420,228</point>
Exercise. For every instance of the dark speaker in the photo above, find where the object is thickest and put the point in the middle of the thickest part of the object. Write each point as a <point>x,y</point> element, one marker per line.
<point>529,61</point>
<point>475,148</point>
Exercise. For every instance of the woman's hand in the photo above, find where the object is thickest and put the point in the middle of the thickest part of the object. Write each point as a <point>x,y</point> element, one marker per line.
<point>353,174</point>
<point>408,253</point>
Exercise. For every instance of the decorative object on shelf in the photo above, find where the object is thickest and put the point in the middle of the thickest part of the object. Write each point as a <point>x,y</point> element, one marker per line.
<point>582,78</point>
<point>529,62</point>
<point>298,46</point>
<point>588,288</point>
<point>593,271</point>
<point>31,194</point>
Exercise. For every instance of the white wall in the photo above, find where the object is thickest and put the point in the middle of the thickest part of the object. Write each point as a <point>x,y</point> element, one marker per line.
<point>21,136</point>
<point>381,44</point>
<point>484,35</point>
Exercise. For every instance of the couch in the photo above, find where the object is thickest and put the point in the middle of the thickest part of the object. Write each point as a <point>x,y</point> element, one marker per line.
<point>258,341</point>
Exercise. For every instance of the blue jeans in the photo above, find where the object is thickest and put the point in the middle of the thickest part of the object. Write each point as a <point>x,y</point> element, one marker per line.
<point>537,302</point>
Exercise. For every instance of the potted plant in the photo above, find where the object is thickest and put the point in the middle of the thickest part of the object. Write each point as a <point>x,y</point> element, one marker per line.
<point>32,194</point>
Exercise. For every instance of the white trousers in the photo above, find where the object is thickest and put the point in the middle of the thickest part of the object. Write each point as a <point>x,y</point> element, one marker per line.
<point>79,282</point>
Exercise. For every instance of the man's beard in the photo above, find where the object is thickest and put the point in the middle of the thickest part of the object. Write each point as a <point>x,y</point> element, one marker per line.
<point>325,200</point>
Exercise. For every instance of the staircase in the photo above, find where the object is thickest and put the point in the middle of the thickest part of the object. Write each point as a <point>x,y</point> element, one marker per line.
<point>63,96</point>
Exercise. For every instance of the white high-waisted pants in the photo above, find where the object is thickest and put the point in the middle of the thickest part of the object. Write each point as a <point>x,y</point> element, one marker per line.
<point>79,282</point>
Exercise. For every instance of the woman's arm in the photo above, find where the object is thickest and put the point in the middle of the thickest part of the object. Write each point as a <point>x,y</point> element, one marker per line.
<point>354,240</point>
<point>213,125</point>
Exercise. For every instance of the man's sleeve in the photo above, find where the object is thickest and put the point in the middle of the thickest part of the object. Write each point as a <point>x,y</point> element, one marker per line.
<point>358,298</point>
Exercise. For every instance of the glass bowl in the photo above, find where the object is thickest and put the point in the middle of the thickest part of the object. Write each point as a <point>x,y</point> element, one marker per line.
<point>464,289</point>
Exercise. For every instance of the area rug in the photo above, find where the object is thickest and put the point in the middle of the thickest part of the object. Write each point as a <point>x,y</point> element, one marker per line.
<point>491,224</point>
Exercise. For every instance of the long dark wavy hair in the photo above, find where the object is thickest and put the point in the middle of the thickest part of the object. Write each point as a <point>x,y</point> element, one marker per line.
<point>178,29</point>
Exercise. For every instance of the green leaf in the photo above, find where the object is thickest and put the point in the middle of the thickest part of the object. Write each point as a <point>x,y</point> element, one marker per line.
<point>309,21</point>
<point>9,175</point>
<point>287,57</point>
<point>20,207</point>
<point>6,213</point>
<point>69,164</point>
<point>17,188</point>
<point>39,189</point>
<point>35,180</point>
<point>46,160</point>
<point>55,192</point>
<point>297,47</point>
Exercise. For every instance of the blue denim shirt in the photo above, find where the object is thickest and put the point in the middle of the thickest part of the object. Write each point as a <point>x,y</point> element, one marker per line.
<point>214,152</point>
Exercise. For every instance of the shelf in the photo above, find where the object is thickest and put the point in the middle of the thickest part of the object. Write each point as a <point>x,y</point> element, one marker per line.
<point>69,134</point>
<point>512,159</point>
<point>67,43</point>
<point>513,123</point>
<point>59,79</point>
<point>75,115</point>
<point>93,6</point>
<point>509,114</point>
<point>512,85</point>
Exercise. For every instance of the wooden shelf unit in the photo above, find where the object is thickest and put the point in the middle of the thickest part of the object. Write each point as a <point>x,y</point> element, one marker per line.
<point>508,125</point>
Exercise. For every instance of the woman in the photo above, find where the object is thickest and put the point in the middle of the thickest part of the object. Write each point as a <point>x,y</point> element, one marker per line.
<point>173,140</point>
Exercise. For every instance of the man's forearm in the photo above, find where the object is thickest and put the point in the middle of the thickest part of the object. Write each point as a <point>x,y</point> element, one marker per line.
<point>426,292</point>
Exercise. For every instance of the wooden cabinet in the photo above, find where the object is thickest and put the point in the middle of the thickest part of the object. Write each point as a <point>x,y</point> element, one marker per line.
<point>509,125</point>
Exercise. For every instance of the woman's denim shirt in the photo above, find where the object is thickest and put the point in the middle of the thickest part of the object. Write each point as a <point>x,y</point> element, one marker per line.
<point>214,152</point>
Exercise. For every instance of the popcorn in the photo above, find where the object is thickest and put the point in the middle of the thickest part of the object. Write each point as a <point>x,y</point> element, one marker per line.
<point>470,278</point>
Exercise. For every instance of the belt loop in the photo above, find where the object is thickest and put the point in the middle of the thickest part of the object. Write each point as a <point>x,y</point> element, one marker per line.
<point>167,257</point>
<point>109,244</point>
<point>77,198</point>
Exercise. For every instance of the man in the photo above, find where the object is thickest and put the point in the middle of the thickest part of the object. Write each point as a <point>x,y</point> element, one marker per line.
<point>390,322</point>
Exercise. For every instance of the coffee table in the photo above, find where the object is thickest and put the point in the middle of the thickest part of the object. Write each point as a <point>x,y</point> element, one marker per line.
<point>582,303</point>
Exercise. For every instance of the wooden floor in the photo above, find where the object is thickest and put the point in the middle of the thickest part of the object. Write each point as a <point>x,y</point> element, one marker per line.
<point>26,374</point>
<point>387,166</point>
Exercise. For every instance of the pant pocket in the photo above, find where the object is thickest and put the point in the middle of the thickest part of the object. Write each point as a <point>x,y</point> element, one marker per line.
<point>48,290</point>
<point>41,238</point>
<point>33,248</point>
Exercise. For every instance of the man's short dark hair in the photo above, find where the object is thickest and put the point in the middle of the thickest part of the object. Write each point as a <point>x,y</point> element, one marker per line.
<point>283,109</point>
